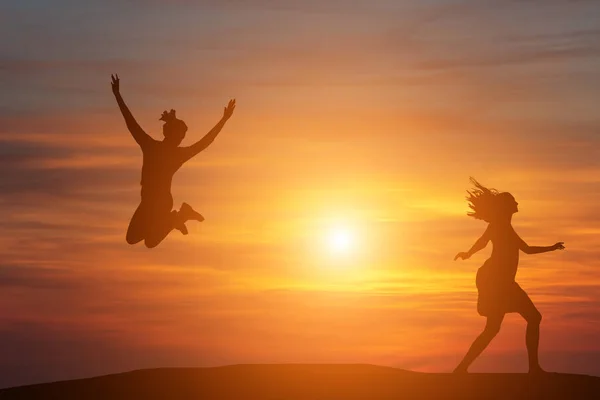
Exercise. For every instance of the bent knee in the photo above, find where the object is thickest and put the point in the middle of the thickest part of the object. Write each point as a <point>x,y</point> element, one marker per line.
<point>492,327</point>
<point>132,239</point>
<point>491,331</point>
<point>534,318</point>
<point>136,232</point>
<point>151,243</point>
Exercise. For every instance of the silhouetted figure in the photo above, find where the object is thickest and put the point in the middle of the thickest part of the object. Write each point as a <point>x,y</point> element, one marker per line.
<point>154,219</point>
<point>498,292</point>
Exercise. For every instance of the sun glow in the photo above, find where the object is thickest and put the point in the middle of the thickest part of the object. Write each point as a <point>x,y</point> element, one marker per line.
<point>341,240</point>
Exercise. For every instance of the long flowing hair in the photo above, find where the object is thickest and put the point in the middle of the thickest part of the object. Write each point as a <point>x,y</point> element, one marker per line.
<point>484,202</point>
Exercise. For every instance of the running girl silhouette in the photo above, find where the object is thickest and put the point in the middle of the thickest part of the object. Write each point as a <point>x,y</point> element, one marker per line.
<point>154,217</point>
<point>498,292</point>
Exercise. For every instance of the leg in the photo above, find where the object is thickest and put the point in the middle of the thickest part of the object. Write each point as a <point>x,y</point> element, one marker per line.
<point>492,327</point>
<point>186,213</point>
<point>532,335</point>
<point>179,224</point>
<point>136,232</point>
<point>161,226</point>
<point>161,220</point>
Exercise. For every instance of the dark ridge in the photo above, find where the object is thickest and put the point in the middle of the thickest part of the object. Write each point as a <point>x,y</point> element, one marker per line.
<point>306,381</point>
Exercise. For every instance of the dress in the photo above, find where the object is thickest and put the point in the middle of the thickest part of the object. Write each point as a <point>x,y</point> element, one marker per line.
<point>498,292</point>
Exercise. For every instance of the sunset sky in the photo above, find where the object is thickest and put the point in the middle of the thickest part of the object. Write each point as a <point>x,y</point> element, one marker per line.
<point>363,116</point>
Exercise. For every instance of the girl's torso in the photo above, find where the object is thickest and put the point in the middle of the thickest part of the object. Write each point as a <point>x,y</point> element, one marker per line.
<point>505,253</point>
<point>160,164</point>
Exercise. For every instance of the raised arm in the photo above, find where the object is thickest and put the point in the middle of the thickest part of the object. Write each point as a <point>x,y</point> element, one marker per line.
<point>479,245</point>
<point>527,249</point>
<point>191,151</point>
<point>141,137</point>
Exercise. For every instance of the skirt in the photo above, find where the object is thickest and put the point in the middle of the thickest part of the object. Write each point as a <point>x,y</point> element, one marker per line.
<point>498,295</point>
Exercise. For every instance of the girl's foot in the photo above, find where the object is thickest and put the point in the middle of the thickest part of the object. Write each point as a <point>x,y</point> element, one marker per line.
<point>537,370</point>
<point>182,228</point>
<point>179,225</point>
<point>188,213</point>
<point>460,370</point>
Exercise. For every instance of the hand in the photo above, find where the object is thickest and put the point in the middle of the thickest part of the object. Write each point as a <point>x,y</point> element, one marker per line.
<point>558,246</point>
<point>115,83</point>
<point>462,255</point>
<point>228,111</point>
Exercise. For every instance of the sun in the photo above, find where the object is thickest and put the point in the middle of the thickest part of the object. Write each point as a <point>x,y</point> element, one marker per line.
<point>341,240</point>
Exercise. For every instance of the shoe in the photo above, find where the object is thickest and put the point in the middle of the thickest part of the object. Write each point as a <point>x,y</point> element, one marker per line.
<point>178,224</point>
<point>188,213</point>
<point>182,228</point>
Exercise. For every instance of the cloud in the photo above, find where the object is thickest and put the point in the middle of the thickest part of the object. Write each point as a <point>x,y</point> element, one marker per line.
<point>30,67</point>
<point>34,277</point>
<point>523,57</point>
<point>40,352</point>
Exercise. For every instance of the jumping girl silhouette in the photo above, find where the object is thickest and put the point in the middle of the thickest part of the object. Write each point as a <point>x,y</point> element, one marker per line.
<point>154,219</point>
<point>498,292</point>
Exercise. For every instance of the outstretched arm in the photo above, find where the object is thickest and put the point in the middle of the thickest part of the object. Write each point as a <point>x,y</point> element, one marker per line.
<point>191,151</point>
<point>479,245</point>
<point>527,249</point>
<point>136,130</point>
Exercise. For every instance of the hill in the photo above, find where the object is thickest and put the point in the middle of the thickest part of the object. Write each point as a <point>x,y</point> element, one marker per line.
<point>301,381</point>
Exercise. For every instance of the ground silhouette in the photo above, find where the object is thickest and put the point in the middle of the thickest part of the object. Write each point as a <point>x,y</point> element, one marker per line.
<point>303,381</point>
